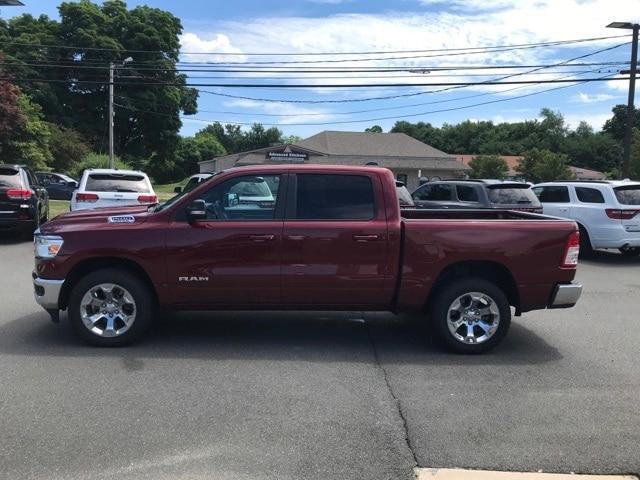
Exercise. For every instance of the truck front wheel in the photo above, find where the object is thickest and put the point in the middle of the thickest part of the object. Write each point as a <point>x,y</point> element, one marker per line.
<point>110,308</point>
<point>470,315</point>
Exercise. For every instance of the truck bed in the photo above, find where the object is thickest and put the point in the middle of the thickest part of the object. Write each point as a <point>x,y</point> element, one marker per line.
<point>528,246</point>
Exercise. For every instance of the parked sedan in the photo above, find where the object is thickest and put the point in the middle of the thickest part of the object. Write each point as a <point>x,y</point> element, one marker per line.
<point>112,188</point>
<point>477,194</point>
<point>24,203</point>
<point>58,185</point>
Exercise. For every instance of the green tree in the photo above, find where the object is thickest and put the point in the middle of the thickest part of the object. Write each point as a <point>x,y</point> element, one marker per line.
<point>617,124</point>
<point>374,129</point>
<point>67,148</point>
<point>147,119</point>
<point>95,160</point>
<point>635,154</point>
<point>544,166</point>
<point>488,166</point>
<point>202,146</point>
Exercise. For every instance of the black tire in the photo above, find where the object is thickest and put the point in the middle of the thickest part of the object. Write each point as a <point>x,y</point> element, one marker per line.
<point>630,252</point>
<point>444,298</point>
<point>144,306</point>
<point>586,250</point>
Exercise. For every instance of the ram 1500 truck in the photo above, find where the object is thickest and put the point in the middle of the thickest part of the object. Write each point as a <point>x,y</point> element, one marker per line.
<point>303,237</point>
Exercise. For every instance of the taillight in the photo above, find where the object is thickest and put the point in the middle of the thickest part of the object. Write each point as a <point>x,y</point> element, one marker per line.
<point>86,197</point>
<point>147,199</point>
<point>618,214</point>
<point>19,194</point>
<point>571,251</point>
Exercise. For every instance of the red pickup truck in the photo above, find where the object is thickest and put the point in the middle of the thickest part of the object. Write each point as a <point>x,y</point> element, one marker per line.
<point>303,237</point>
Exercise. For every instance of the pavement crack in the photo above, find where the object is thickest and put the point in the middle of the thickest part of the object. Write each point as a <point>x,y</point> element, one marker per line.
<point>396,400</point>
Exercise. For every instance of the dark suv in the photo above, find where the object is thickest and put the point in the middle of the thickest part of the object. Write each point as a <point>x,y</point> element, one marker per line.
<point>24,203</point>
<point>477,194</point>
<point>58,185</point>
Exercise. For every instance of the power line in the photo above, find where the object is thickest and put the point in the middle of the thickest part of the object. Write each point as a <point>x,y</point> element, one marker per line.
<point>306,114</point>
<point>300,86</point>
<point>604,78</point>
<point>165,52</point>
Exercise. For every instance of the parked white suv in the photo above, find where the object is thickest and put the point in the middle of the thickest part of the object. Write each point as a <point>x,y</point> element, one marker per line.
<point>607,212</point>
<point>112,188</point>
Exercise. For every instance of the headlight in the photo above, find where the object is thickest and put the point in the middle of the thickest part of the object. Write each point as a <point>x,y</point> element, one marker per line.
<point>46,246</point>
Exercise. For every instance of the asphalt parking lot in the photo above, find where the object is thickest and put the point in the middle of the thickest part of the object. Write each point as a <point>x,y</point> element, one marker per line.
<point>321,395</point>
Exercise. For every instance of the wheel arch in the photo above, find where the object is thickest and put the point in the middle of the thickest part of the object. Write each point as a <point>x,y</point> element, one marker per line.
<point>93,264</point>
<point>492,271</point>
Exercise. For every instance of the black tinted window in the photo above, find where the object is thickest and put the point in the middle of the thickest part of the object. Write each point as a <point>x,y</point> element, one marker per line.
<point>554,195</point>
<point>511,195</point>
<point>434,192</point>
<point>113,182</point>
<point>628,195</point>
<point>589,195</point>
<point>467,193</point>
<point>10,177</point>
<point>334,197</point>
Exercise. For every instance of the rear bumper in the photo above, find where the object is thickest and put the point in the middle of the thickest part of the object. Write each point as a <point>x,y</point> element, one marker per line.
<point>565,295</point>
<point>47,292</point>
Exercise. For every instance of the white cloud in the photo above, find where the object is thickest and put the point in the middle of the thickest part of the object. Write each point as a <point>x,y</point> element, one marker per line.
<point>592,98</point>
<point>192,42</point>
<point>294,113</point>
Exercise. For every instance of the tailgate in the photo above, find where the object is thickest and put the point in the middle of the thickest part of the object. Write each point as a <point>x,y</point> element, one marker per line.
<point>629,198</point>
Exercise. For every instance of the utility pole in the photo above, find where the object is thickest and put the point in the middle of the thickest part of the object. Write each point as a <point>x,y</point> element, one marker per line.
<point>111,69</point>
<point>626,159</point>
<point>626,156</point>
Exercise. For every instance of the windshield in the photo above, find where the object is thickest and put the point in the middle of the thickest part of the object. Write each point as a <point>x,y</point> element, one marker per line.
<point>511,194</point>
<point>10,177</point>
<point>161,206</point>
<point>628,195</point>
<point>115,182</point>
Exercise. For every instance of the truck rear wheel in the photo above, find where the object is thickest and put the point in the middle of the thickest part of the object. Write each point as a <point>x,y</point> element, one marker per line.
<point>470,315</point>
<point>110,308</point>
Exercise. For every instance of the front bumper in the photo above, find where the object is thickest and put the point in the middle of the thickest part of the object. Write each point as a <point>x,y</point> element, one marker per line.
<point>565,295</point>
<point>47,292</point>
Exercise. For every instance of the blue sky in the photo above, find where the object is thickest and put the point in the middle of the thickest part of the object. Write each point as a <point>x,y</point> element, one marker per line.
<point>302,26</point>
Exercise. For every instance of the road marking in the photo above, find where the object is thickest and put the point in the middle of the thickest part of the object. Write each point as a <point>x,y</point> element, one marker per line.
<point>461,474</point>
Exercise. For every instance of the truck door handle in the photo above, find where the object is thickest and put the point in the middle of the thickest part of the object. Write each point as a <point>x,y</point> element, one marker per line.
<point>261,238</point>
<point>365,238</point>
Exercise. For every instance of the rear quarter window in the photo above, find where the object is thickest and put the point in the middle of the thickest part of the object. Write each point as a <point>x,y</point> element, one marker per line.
<point>589,195</point>
<point>10,177</point>
<point>628,195</point>
<point>106,182</point>
<point>511,195</point>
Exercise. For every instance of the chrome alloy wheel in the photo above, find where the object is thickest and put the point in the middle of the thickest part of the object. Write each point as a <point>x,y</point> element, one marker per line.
<point>473,318</point>
<point>108,310</point>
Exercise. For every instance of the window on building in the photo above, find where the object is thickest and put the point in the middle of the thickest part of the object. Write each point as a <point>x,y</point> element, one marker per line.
<point>589,195</point>
<point>334,197</point>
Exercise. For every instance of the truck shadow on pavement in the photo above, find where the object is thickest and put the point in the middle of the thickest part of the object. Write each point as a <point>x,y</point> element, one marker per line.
<point>284,336</point>
<point>11,237</point>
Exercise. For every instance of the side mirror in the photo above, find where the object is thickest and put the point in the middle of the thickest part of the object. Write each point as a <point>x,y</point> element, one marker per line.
<point>232,200</point>
<point>197,210</point>
<point>73,184</point>
<point>177,190</point>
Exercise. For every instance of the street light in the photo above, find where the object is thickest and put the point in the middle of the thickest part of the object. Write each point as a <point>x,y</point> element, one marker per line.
<point>111,77</point>
<point>626,156</point>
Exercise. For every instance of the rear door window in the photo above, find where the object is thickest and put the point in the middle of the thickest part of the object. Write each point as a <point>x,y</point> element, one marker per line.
<point>553,194</point>
<point>10,178</point>
<point>511,195</point>
<point>589,195</point>
<point>334,197</point>
<point>467,193</point>
<point>628,195</point>
<point>110,182</point>
<point>434,192</point>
